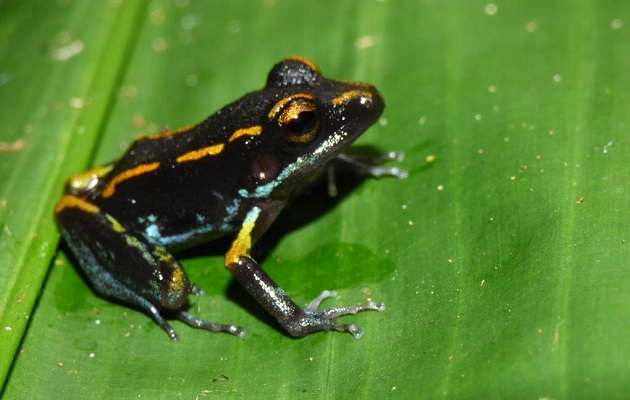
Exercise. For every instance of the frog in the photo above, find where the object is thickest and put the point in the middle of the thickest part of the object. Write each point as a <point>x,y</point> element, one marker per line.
<point>231,174</point>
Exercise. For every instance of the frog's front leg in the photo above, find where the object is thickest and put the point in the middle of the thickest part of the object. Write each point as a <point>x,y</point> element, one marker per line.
<point>297,321</point>
<point>128,267</point>
<point>364,165</point>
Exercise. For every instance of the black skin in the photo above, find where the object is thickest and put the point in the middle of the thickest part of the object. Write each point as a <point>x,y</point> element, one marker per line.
<point>232,174</point>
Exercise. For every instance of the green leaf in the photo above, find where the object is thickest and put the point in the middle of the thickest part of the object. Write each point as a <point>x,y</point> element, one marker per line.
<point>56,93</point>
<point>502,258</point>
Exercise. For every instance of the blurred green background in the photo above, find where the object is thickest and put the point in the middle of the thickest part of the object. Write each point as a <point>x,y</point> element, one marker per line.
<point>503,258</point>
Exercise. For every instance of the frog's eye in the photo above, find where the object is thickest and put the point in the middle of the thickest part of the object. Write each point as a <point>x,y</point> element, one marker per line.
<point>299,121</point>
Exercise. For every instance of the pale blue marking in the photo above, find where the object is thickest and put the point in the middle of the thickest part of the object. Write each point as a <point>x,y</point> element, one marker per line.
<point>265,190</point>
<point>225,226</point>
<point>252,216</point>
<point>152,231</point>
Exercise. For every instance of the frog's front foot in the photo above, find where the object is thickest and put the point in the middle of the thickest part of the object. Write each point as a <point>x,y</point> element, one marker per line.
<point>365,165</point>
<point>312,319</point>
<point>372,165</point>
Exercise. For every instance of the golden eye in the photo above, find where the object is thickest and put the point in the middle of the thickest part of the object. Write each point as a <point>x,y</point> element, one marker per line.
<point>300,121</point>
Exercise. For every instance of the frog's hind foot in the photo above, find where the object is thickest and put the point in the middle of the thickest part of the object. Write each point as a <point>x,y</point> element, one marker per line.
<point>195,322</point>
<point>331,314</point>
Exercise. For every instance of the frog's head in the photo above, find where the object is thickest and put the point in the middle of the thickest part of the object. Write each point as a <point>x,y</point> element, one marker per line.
<point>309,122</point>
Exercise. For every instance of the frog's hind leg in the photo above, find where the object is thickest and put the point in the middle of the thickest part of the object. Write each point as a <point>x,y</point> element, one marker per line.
<point>126,267</point>
<point>106,285</point>
<point>103,250</point>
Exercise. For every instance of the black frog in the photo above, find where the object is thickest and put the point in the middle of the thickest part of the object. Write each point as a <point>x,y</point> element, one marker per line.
<point>231,174</point>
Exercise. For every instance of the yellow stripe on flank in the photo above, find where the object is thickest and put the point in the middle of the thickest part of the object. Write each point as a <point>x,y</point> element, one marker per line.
<point>69,201</point>
<point>115,224</point>
<point>128,174</point>
<point>162,254</point>
<point>197,154</point>
<point>251,131</point>
<point>351,94</point>
<point>276,108</point>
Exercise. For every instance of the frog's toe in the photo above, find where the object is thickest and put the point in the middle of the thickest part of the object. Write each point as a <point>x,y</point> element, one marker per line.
<point>315,319</point>
<point>336,312</point>
<point>197,291</point>
<point>391,156</point>
<point>210,326</point>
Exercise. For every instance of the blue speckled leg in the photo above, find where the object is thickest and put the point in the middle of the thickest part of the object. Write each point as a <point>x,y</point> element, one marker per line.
<point>297,321</point>
<point>105,284</point>
<point>129,268</point>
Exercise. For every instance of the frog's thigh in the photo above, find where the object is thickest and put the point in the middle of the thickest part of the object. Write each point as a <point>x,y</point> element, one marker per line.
<point>100,278</point>
<point>118,264</point>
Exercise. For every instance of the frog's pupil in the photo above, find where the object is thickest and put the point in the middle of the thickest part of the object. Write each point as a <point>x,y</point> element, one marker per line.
<point>303,123</point>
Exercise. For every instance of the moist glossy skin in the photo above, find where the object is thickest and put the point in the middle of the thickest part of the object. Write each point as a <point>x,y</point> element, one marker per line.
<point>229,175</point>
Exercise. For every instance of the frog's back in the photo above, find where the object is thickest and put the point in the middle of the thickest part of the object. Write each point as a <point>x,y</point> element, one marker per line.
<point>258,150</point>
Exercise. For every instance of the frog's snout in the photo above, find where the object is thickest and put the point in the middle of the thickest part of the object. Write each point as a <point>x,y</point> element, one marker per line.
<point>365,103</point>
<point>372,100</point>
